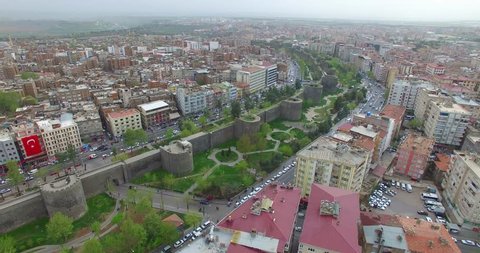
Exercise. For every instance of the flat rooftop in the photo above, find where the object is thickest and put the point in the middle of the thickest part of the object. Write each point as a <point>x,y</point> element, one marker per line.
<point>325,148</point>
<point>153,105</point>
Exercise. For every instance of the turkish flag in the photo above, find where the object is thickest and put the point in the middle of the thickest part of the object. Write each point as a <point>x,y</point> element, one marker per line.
<point>32,145</point>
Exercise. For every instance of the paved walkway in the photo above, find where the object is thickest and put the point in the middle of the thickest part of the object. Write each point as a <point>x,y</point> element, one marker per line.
<point>79,241</point>
<point>213,157</point>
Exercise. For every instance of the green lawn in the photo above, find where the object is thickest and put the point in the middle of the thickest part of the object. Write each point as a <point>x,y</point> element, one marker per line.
<point>182,184</point>
<point>154,179</point>
<point>201,163</point>
<point>266,161</point>
<point>270,145</point>
<point>150,177</point>
<point>297,133</point>
<point>278,124</point>
<point>226,156</point>
<point>225,181</point>
<point>280,136</point>
<point>98,206</point>
<point>35,233</point>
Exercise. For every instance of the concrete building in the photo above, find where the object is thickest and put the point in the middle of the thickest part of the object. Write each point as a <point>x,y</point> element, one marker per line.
<point>384,123</point>
<point>253,77</point>
<point>404,92</point>
<point>89,124</point>
<point>462,186</point>
<point>70,94</point>
<point>30,89</point>
<point>380,238</point>
<point>194,99</point>
<point>422,104</point>
<point>468,104</point>
<point>328,162</point>
<point>271,75</point>
<point>446,122</point>
<point>330,209</point>
<point>154,113</point>
<point>413,155</point>
<point>265,223</point>
<point>435,69</point>
<point>24,132</point>
<point>119,121</point>
<point>471,144</point>
<point>8,150</point>
<point>59,134</point>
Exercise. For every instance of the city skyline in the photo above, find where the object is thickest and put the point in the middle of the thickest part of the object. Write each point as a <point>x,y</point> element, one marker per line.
<point>373,10</point>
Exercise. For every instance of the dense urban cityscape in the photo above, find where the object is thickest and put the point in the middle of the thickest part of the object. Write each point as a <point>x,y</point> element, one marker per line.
<point>229,134</point>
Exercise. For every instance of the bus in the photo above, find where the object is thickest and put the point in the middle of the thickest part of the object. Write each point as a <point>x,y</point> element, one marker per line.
<point>431,196</point>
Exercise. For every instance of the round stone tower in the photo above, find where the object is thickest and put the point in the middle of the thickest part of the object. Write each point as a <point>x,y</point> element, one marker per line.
<point>177,157</point>
<point>247,124</point>
<point>291,109</point>
<point>66,196</point>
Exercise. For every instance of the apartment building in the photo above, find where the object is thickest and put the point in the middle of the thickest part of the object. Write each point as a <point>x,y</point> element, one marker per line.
<point>435,69</point>
<point>8,150</point>
<point>462,186</point>
<point>396,113</point>
<point>119,121</point>
<point>446,123</point>
<point>23,132</point>
<point>422,104</point>
<point>254,78</point>
<point>194,99</point>
<point>384,123</point>
<point>271,75</point>
<point>59,134</point>
<point>405,92</point>
<point>469,104</point>
<point>69,94</point>
<point>329,162</point>
<point>154,113</point>
<point>89,125</point>
<point>413,155</point>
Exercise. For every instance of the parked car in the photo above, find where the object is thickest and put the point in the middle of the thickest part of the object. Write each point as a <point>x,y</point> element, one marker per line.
<point>428,219</point>
<point>422,212</point>
<point>468,242</point>
<point>92,156</point>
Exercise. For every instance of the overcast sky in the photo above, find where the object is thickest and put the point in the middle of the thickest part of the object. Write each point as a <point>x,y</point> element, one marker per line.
<point>407,10</point>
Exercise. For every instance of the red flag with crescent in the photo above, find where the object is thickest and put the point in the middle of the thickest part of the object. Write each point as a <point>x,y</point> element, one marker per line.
<point>32,145</point>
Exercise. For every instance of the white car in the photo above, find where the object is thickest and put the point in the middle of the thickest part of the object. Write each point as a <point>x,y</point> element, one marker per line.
<point>428,219</point>
<point>468,242</point>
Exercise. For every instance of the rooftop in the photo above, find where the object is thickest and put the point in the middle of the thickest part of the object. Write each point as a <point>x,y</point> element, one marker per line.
<point>65,120</point>
<point>275,220</point>
<point>364,131</point>
<point>325,148</point>
<point>153,105</point>
<point>395,112</point>
<point>392,237</point>
<point>122,113</point>
<point>462,101</point>
<point>452,108</point>
<point>442,162</point>
<point>331,219</point>
<point>420,144</point>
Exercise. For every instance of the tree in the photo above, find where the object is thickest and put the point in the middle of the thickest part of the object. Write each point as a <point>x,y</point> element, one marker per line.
<point>92,246</point>
<point>9,102</point>
<point>114,151</point>
<point>169,134</point>
<point>7,244</point>
<point>236,109</point>
<point>298,84</point>
<point>192,219</point>
<point>203,120</point>
<point>132,136</point>
<point>43,173</point>
<point>29,100</point>
<point>184,133</point>
<point>14,175</point>
<point>59,227</point>
<point>370,75</point>
<point>28,75</point>
<point>96,227</point>
<point>62,159</point>
<point>415,123</point>
<point>265,129</point>
<point>71,154</point>
<point>329,82</point>
<point>189,125</point>
<point>143,205</point>
<point>285,150</point>
<point>241,166</point>
<point>168,181</point>
<point>133,236</point>
<point>244,145</point>
<point>226,113</point>
<point>159,232</point>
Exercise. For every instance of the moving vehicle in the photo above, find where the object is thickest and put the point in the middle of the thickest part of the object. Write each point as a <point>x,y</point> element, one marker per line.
<point>92,156</point>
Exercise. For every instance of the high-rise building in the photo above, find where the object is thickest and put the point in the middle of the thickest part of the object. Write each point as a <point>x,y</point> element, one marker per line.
<point>413,155</point>
<point>404,92</point>
<point>271,75</point>
<point>462,186</point>
<point>8,150</point>
<point>194,99</point>
<point>329,162</point>
<point>435,69</point>
<point>154,113</point>
<point>59,134</point>
<point>30,89</point>
<point>446,122</point>
<point>253,77</point>
<point>422,104</point>
<point>119,121</point>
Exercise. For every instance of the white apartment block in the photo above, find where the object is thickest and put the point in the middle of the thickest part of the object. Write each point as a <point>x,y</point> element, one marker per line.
<point>271,75</point>
<point>118,122</point>
<point>462,186</point>
<point>8,151</point>
<point>446,122</point>
<point>405,92</point>
<point>58,134</point>
<point>328,162</point>
<point>254,78</point>
<point>194,99</point>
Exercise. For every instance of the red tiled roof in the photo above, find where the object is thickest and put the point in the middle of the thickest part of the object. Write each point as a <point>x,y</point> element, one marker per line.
<point>443,162</point>
<point>424,237</point>
<point>278,224</point>
<point>174,220</point>
<point>379,171</point>
<point>369,219</point>
<point>394,111</point>
<point>365,143</point>
<point>337,234</point>
<point>345,127</point>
